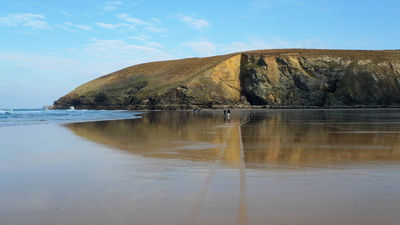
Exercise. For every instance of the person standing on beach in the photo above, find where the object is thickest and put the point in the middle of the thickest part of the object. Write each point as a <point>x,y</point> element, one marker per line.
<point>229,114</point>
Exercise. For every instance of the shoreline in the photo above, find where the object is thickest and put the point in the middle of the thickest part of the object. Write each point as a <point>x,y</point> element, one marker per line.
<point>61,117</point>
<point>222,107</point>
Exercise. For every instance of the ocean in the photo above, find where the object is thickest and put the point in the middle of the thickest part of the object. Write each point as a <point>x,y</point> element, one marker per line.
<point>15,117</point>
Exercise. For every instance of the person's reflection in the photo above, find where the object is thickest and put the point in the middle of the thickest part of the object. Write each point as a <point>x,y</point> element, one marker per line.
<point>227,119</point>
<point>227,116</point>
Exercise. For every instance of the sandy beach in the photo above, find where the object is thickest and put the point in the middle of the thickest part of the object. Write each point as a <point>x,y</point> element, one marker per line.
<point>257,167</point>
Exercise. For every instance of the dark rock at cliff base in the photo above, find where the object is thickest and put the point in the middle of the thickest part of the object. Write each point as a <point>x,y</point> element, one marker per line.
<point>273,78</point>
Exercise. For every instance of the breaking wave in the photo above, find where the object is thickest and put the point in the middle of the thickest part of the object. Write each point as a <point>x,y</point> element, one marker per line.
<point>12,117</point>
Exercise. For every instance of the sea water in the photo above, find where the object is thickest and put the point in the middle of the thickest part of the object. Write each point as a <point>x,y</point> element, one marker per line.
<point>14,117</point>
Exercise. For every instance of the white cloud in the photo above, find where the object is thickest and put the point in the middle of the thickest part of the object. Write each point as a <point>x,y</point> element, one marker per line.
<point>111,6</point>
<point>146,25</point>
<point>111,26</point>
<point>153,44</point>
<point>132,20</point>
<point>207,48</point>
<point>35,21</point>
<point>156,20</point>
<point>116,47</point>
<point>49,8</point>
<point>140,37</point>
<point>79,26</point>
<point>132,23</point>
<point>107,56</point>
<point>118,54</point>
<point>154,29</point>
<point>203,48</point>
<point>195,23</point>
<point>272,43</point>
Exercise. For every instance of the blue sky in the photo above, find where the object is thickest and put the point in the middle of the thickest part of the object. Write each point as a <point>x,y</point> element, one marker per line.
<point>48,48</point>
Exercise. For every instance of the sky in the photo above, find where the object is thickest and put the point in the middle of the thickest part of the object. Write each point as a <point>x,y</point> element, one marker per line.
<point>48,48</point>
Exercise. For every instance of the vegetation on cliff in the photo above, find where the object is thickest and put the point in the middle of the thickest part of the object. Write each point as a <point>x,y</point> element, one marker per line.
<point>274,78</point>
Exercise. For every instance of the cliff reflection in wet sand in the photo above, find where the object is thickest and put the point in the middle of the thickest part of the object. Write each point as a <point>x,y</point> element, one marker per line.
<point>291,137</point>
<point>176,135</point>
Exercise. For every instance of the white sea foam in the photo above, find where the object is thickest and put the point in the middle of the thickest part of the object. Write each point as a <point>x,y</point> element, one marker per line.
<point>9,117</point>
<point>6,111</point>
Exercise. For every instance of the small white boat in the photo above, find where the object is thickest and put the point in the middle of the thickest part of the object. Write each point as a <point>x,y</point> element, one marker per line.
<point>71,108</point>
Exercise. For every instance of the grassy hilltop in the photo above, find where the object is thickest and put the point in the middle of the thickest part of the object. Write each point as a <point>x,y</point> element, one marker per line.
<point>277,78</point>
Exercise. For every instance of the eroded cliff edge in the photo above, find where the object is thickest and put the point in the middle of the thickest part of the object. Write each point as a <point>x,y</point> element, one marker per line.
<point>274,78</point>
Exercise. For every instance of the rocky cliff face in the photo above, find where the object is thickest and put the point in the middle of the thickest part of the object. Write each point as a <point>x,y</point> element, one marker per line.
<point>289,78</point>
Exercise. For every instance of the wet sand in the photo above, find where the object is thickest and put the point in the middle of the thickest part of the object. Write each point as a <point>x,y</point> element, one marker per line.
<point>259,167</point>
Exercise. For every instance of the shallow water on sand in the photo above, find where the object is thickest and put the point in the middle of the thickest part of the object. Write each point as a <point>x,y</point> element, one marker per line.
<point>258,167</point>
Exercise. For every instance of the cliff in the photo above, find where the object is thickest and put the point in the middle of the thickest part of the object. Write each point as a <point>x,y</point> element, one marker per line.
<point>274,78</point>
